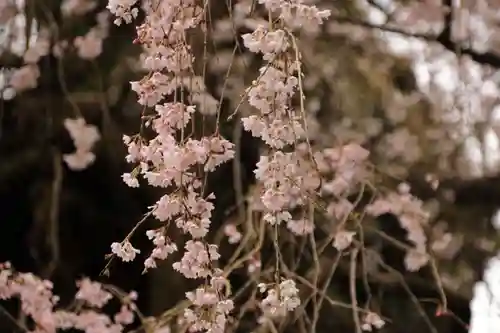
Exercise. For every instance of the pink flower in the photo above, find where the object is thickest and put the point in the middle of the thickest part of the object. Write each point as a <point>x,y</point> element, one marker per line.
<point>25,78</point>
<point>234,236</point>
<point>92,293</point>
<point>125,316</point>
<point>77,7</point>
<point>124,250</point>
<point>84,137</point>
<point>89,46</point>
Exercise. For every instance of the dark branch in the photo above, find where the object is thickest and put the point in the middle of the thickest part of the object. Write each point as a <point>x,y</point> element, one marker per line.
<point>383,27</point>
<point>444,37</point>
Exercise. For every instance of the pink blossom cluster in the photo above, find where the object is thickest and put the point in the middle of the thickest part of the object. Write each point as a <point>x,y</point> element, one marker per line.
<point>254,264</point>
<point>347,166</point>
<point>234,236</point>
<point>163,247</point>
<point>124,250</point>
<point>343,239</point>
<point>279,300</point>
<point>87,47</point>
<point>39,303</point>
<point>288,181</point>
<point>342,170</point>
<point>297,13</point>
<point>372,320</point>
<point>209,299</point>
<point>84,137</point>
<point>197,260</point>
<point>39,48</point>
<point>412,217</point>
<point>172,159</point>
<point>286,174</point>
<point>26,77</point>
<point>77,7</point>
<point>123,10</point>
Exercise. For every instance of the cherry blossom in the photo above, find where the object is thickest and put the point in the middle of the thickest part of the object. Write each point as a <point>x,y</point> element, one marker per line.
<point>280,300</point>
<point>84,137</point>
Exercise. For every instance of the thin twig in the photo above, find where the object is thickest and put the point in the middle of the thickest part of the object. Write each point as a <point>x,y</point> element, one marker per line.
<point>53,232</point>
<point>352,289</point>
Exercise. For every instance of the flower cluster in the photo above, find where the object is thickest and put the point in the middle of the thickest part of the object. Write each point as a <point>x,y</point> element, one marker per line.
<point>197,260</point>
<point>124,250</point>
<point>346,165</point>
<point>87,47</point>
<point>372,320</point>
<point>38,302</point>
<point>174,159</point>
<point>92,293</point>
<point>297,13</point>
<point>25,78</point>
<point>123,10</point>
<point>234,236</point>
<point>343,239</point>
<point>287,181</point>
<point>77,7</point>
<point>412,217</point>
<point>163,247</point>
<point>84,137</point>
<point>279,300</point>
<point>254,264</point>
<point>342,169</point>
<point>277,125</point>
<point>40,48</point>
<point>209,308</point>
<point>286,174</point>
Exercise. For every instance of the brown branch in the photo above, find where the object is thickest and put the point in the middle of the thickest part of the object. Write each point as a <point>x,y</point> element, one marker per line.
<point>52,235</point>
